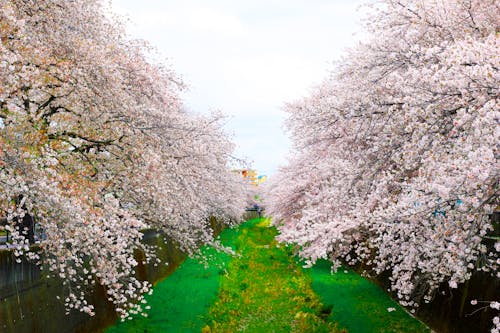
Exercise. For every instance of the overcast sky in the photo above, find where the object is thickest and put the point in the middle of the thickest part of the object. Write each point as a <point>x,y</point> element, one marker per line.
<point>247,58</point>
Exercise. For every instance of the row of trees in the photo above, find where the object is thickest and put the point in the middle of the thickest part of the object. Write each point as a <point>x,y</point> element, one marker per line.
<point>96,144</point>
<point>397,151</point>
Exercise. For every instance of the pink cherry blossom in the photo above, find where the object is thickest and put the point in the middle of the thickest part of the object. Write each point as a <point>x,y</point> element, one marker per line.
<point>396,153</point>
<point>96,144</point>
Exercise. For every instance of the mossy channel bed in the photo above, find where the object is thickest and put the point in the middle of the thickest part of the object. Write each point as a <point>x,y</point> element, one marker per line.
<point>264,289</point>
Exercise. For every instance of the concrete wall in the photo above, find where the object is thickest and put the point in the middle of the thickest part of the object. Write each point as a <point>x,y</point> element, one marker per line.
<point>28,300</point>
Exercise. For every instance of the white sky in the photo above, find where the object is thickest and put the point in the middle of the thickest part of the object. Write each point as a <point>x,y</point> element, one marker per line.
<point>247,58</point>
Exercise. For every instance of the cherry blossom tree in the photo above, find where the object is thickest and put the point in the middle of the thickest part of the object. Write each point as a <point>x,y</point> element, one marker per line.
<point>396,162</point>
<point>95,143</point>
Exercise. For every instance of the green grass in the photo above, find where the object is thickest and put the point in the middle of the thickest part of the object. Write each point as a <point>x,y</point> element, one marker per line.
<point>180,302</point>
<point>359,305</point>
<point>265,290</point>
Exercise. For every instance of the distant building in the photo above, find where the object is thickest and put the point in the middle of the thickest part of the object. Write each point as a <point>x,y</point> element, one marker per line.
<point>251,176</point>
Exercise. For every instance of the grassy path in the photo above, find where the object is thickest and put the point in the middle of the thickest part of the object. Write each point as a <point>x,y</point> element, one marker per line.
<point>263,289</point>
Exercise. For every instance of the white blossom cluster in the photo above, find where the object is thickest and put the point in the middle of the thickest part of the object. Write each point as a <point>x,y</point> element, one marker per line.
<point>397,151</point>
<point>96,145</point>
